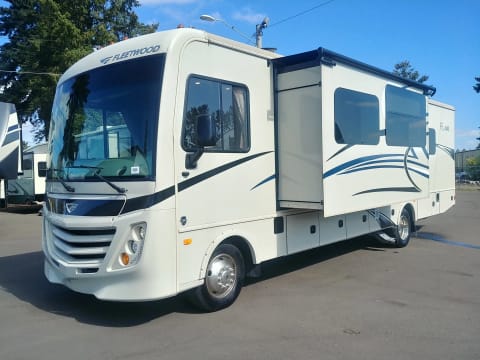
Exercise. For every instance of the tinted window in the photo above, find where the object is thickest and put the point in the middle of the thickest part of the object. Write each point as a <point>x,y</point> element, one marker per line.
<point>227,104</point>
<point>42,169</point>
<point>405,117</point>
<point>356,117</point>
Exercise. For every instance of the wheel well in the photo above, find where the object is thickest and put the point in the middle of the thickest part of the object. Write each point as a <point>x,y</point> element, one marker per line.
<point>242,245</point>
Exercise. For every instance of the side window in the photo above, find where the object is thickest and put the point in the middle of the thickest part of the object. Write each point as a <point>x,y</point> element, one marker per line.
<point>42,169</point>
<point>405,117</point>
<point>356,117</point>
<point>227,104</point>
<point>27,167</point>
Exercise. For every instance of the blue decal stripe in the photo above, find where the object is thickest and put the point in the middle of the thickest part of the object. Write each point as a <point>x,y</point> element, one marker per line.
<point>345,148</point>
<point>360,160</point>
<point>391,161</point>
<point>211,173</point>
<point>15,136</point>
<point>448,150</point>
<point>378,162</point>
<point>394,189</point>
<point>13,127</point>
<point>383,167</point>
<point>412,153</point>
<point>264,181</point>
<point>418,164</point>
<point>371,168</point>
<point>419,173</point>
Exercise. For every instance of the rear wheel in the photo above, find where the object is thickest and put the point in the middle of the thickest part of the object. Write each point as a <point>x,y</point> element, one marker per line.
<point>404,229</point>
<point>223,279</point>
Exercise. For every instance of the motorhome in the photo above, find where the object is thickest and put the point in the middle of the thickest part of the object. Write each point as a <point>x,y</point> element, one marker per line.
<point>180,161</point>
<point>10,146</point>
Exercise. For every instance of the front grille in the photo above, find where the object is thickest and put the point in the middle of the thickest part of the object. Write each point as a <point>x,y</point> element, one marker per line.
<point>84,248</point>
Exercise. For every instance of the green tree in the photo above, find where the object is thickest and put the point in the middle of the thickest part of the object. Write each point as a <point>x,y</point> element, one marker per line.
<point>406,70</point>
<point>45,37</point>
<point>473,168</point>
<point>476,87</point>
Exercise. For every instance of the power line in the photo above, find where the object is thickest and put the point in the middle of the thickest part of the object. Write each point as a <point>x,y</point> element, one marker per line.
<point>29,72</point>
<point>301,13</point>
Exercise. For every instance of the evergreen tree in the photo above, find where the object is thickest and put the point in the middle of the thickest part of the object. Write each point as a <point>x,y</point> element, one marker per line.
<point>45,37</point>
<point>405,69</point>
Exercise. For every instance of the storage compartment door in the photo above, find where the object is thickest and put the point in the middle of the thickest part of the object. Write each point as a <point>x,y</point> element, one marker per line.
<point>302,232</point>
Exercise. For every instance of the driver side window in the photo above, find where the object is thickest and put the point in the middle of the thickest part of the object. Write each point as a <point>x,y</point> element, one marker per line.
<point>227,104</point>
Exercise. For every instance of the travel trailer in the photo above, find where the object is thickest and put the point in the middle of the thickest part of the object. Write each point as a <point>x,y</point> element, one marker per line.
<point>10,146</point>
<point>180,161</point>
<point>29,186</point>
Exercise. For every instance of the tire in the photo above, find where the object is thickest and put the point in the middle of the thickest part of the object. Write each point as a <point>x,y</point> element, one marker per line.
<point>404,229</point>
<point>223,280</point>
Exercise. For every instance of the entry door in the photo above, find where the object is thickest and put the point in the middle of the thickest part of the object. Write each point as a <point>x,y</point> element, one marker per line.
<point>216,188</point>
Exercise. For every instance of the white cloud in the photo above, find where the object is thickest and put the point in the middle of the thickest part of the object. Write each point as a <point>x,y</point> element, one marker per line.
<point>466,138</point>
<point>468,133</point>
<point>249,16</point>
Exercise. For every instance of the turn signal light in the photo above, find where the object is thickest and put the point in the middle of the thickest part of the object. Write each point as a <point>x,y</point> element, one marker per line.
<point>125,259</point>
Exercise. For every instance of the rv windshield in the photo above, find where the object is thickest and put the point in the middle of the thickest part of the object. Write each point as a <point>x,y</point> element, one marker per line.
<point>104,121</point>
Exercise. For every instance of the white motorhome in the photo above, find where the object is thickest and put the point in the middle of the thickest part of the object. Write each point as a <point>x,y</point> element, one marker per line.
<point>181,161</point>
<point>10,146</point>
<point>10,141</point>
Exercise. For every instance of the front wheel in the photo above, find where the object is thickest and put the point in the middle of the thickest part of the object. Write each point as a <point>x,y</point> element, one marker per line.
<point>404,229</point>
<point>223,280</point>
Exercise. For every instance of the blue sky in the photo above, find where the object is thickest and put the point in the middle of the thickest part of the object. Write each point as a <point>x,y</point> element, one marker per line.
<point>440,38</point>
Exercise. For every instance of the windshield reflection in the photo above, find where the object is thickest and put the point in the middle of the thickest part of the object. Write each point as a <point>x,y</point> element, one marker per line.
<point>104,122</point>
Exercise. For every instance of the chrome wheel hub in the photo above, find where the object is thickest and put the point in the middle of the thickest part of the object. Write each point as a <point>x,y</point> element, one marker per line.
<point>403,227</point>
<point>221,276</point>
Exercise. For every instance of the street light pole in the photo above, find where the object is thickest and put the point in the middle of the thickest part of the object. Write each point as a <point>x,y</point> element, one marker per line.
<point>210,18</point>
<point>258,28</point>
<point>259,31</point>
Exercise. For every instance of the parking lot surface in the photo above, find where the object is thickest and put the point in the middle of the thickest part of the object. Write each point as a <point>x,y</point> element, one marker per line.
<point>353,300</point>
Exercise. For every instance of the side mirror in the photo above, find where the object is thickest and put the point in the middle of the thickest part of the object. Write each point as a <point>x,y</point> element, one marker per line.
<point>432,141</point>
<point>206,132</point>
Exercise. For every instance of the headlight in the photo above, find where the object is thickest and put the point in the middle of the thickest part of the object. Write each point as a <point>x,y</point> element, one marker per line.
<point>133,247</point>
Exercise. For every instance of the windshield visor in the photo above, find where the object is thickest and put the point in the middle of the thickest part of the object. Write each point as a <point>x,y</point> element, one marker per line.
<point>105,121</point>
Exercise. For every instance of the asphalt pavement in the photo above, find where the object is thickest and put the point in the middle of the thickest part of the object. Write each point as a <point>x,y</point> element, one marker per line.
<point>353,300</point>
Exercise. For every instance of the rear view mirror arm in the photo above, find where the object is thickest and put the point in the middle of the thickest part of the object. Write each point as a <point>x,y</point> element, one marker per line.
<point>192,158</point>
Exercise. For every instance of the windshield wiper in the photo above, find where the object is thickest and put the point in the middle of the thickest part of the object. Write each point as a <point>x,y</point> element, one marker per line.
<point>97,174</point>
<point>65,185</point>
<point>121,190</point>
